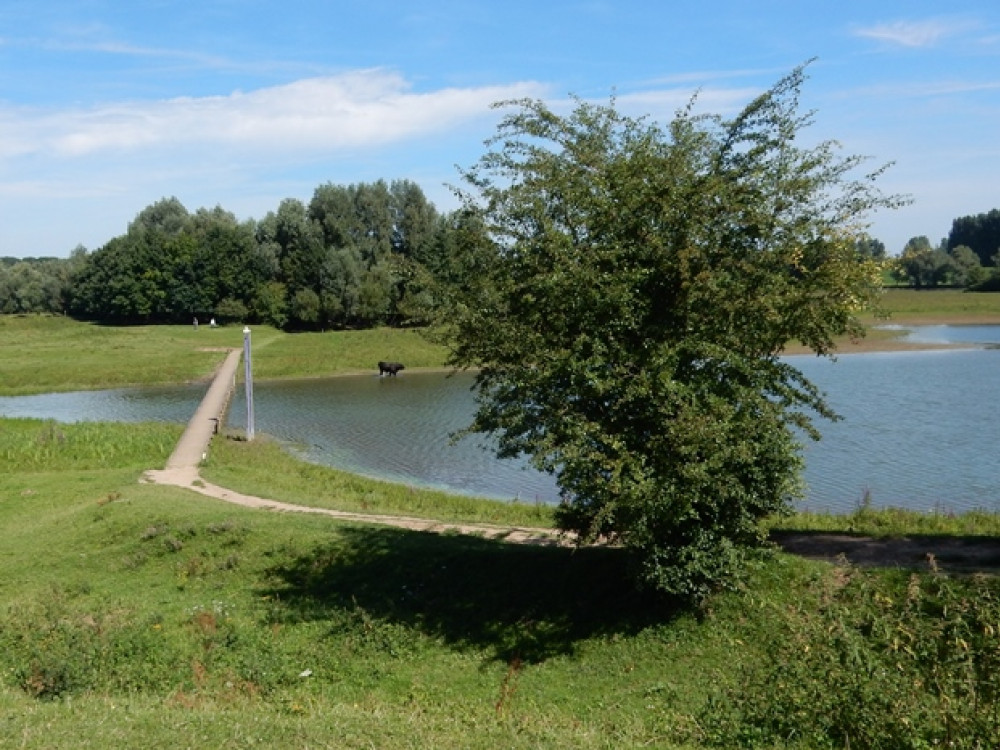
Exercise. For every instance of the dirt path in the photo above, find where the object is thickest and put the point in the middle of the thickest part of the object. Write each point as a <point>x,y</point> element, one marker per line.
<point>189,478</point>
<point>952,554</point>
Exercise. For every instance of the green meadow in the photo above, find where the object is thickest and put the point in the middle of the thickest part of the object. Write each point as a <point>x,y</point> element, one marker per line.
<point>930,306</point>
<point>40,354</point>
<point>138,615</point>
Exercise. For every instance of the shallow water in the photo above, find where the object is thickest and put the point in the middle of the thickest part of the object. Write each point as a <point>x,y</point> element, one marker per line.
<point>919,428</point>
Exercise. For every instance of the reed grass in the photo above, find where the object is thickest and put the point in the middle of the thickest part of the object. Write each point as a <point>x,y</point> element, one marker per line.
<point>28,445</point>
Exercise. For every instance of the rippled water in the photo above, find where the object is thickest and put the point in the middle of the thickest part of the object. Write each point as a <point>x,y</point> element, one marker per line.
<point>919,428</point>
<point>394,427</point>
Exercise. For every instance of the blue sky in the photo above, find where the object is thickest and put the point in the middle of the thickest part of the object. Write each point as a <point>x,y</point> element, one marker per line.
<point>106,107</point>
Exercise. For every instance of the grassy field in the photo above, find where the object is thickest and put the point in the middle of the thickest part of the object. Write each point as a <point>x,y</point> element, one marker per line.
<point>902,307</point>
<point>144,615</point>
<point>932,306</point>
<point>40,354</point>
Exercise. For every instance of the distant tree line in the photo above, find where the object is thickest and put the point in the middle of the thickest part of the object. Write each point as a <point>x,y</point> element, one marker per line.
<point>968,257</point>
<point>355,256</point>
<point>36,285</point>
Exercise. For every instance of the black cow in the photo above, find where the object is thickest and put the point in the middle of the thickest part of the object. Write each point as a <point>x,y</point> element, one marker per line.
<point>389,367</point>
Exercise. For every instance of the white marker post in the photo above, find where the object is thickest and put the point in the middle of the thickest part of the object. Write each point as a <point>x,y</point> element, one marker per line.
<point>248,381</point>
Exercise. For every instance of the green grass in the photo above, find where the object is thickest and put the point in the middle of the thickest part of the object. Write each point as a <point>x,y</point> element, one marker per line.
<point>131,610</point>
<point>40,354</point>
<point>265,469</point>
<point>138,615</point>
<point>340,352</point>
<point>894,522</point>
<point>145,615</point>
<point>939,306</point>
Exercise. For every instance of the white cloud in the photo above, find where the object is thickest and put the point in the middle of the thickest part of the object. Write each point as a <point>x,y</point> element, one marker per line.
<point>913,33</point>
<point>357,109</point>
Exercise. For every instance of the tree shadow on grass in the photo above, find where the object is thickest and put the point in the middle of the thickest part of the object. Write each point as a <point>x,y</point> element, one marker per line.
<point>517,601</point>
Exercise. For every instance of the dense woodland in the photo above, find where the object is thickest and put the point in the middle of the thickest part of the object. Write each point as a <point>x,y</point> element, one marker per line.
<point>355,256</point>
<point>968,257</point>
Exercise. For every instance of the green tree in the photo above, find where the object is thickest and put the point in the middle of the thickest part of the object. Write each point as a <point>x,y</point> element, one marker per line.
<point>231,310</point>
<point>305,306</point>
<point>375,295</point>
<point>341,282</point>
<point>234,267</point>
<point>271,304</point>
<point>124,281</point>
<point>297,243</point>
<point>33,285</point>
<point>629,326</point>
<point>372,206</point>
<point>414,221</point>
<point>966,268</point>
<point>869,247</point>
<point>980,233</point>
<point>167,215</point>
<point>332,208</point>
<point>923,265</point>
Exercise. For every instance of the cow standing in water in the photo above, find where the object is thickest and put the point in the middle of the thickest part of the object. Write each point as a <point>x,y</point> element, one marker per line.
<point>390,368</point>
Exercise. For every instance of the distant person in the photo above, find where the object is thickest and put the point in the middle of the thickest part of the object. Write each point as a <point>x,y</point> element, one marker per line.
<point>196,324</point>
<point>211,323</point>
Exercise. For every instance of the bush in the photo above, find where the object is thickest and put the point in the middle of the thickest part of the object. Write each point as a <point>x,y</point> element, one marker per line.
<point>886,662</point>
<point>628,324</point>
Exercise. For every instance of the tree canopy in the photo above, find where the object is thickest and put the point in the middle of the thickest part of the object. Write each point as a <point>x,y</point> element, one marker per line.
<point>353,256</point>
<point>979,233</point>
<point>627,323</point>
<point>924,266</point>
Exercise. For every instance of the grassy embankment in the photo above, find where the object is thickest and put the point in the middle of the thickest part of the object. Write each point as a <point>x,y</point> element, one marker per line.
<point>140,615</point>
<point>911,307</point>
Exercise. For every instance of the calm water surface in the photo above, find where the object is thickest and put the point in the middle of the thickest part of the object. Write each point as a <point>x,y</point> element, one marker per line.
<point>394,427</point>
<point>172,403</point>
<point>919,428</point>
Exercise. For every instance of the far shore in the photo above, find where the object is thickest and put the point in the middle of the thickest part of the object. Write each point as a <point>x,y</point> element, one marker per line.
<point>880,337</point>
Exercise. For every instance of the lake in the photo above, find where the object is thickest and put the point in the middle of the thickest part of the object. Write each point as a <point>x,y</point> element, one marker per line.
<point>919,428</point>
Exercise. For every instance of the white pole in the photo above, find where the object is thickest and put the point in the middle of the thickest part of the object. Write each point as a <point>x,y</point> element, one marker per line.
<point>248,381</point>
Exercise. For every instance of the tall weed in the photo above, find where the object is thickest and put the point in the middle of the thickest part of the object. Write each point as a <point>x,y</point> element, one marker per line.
<point>886,661</point>
<point>31,445</point>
